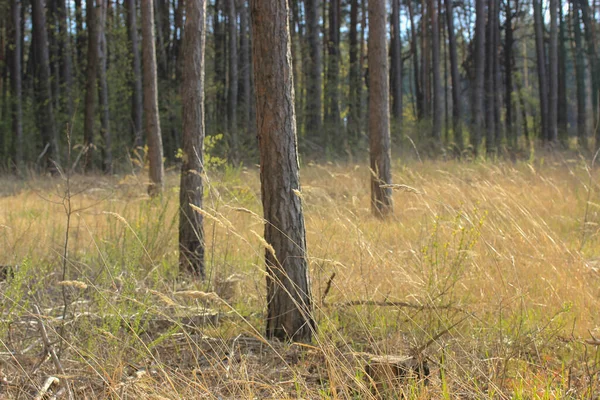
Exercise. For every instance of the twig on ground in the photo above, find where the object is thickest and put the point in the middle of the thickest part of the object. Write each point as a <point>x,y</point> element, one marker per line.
<point>327,288</point>
<point>49,382</point>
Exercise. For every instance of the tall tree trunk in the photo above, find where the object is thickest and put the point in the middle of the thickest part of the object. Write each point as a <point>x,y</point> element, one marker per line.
<point>553,74</point>
<point>151,117</point>
<point>426,59</point>
<point>191,230</point>
<point>65,57</point>
<point>456,85</point>
<point>16,80</point>
<point>355,81</point>
<point>92,17</point>
<point>415,54</point>
<point>289,303</point>
<point>136,83</point>
<point>590,38</point>
<point>490,143</point>
<point>478,90</point>
<point>396,65</point>
<point>44,109</point>
<point>508,73</point>
<point>541,67</point>
<point>103,89</point>
<point>220,69</point>
<point>562,79</point>
<point>233,80</point>
<point>79,35</point>
<point>437,80</point>
<point>332,87</point>
<point>379,112</point>
<point>582,134</point>
<point>245,91</point>
<point>314,91</point>
<point>499,132</point>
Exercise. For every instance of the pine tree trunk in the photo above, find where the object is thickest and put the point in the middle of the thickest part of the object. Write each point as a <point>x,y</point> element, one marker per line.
<point>332,86</point>
<point>65,58</point>
<point>151,117</point>
<point>478,90</point>
<point>379,112</point>
<point>508,75</point>
<point>233,81</point>
<point>456,84</point>
<point>191,231</point>
<point>245,92</point>
<point>541,67</point>
<point>289,302</point>
<point>594,63</point>
<point>415,54</point>
<point>490,95</point>
<point>16,83</point>
<point>553,74</point>
<point>396,67</point>
<point>90,84</point>
<point>44,106</point>
<point>354,106</point>
<point>103,90</point>
<point>314,91</point>
<point>136,83</point>
<point>582,134</point>
<point>562,122</point>
<point>437,80</point>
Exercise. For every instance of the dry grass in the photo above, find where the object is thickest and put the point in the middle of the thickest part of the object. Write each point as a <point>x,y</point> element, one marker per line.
<point>490,260</point>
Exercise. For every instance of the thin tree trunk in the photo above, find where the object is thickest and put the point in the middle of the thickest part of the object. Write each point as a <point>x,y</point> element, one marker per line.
<point>354,114</point>
<point>136,83</point>
<point>92,15</point>
<point>191,231</point>
<point>582,134</point>
<point>379,112</point>
<point>233,80</point>
<point>332,87</point>
<point>415,54</point>
<point>396,65</point>
<point>541,66</point>
<point>508,71</point>
<point>151,116</point>
<point>79,35</point>
<point>45,109</point>
<point>314,91</point>
<point>289,303</point>
<point>66,60</point>
<point>245,67</point>
<point>553,74</point>
<point>16,82</point>
<point>594,63</point>
<point>456,85</point>
<point>490,144</point>
<point>562,79</point>
<point>103,90</point>
<point>437,80</point>
<point>478,90</point>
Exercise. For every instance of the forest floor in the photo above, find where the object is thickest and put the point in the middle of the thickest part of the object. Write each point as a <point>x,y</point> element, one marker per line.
<point>488,273</point>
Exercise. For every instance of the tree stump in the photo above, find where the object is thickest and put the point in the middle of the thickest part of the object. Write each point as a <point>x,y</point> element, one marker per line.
<point>386,373</point>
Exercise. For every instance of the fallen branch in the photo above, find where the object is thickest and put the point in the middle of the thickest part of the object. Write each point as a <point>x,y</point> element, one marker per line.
<point>49,382</point>
<point>399,304</point>
<point>327,288</point>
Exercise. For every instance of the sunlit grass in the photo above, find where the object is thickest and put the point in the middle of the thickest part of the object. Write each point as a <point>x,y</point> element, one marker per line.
<point>502,254</point>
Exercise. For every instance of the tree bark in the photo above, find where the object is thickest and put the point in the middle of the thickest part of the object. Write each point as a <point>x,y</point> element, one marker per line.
<point>396,67</point>
<point>379,112</point>
<point>582,134</point>
<point>541,67</point>
<point>92,14</point>
<point>508,73</point>
<point>289,302</point>
<point>314,90</point>
<point>65,58</point>
<point>16,84</point>
<point>44,106</point>
<point>332,86</point>
<point>191,231</point>
<point>562,122</point>
<point>103,89</point>
<point>245,91</point>
<point>553,74</point>
<point>478,90</point>
<point>490,143</point>
<point>151,116</point>
<point>437,80</point>
<point>232,96</point>
<point>594,63</point>
<point>415,55</point>
<point>456,84</point>
<point>354,108</point>
<point>136,82</point>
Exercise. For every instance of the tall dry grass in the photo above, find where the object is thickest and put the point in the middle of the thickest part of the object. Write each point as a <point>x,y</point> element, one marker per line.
<point>488,270</point>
